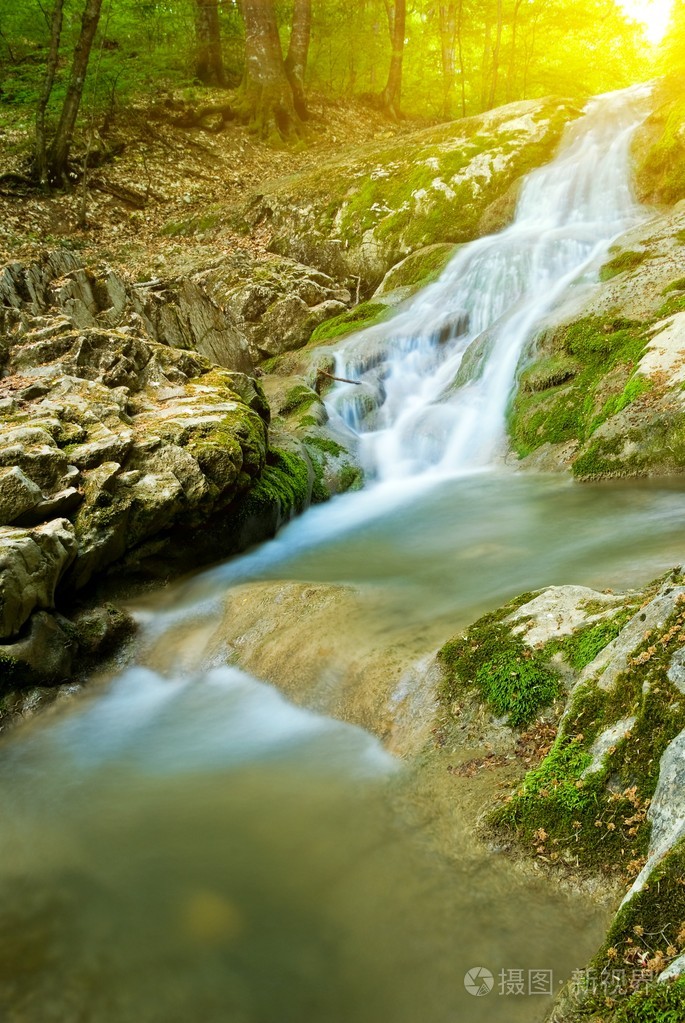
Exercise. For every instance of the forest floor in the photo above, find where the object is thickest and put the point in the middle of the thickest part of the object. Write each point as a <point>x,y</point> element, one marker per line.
<point>170,202</point>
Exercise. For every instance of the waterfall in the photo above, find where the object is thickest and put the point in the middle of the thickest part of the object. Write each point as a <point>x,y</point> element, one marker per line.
<point>436,379</point>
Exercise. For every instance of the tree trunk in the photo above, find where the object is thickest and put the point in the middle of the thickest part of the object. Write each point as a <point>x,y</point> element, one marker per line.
<point>298,50</point>
<point>460,25</point>
<point>58,155</point>
<point>485,66</point>
<point>40,153</point>
<point>448,31</point>
<point>209,67</point>
<point>511,74</point>
<point>392,93</point>
<point>267,100</point>
<point>495,58</point>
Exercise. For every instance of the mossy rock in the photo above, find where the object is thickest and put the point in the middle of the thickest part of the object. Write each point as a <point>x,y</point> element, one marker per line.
<point>367,314</point>
<point>491,660</point>
<point>419,269</point>
<point>363,215</point>
<point>597,818</point>
<point>582,386</point>
<point>622,262</point>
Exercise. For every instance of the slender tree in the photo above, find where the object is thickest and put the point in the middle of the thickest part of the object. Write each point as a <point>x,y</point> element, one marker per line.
<point>460,45</point>
<point>447,13</point>
<point>40,152</point>
<point>209,66</point>
<point>495,57</point>
<point>392,94</point>
<point>298,51</point>
<point>267,99</point>
<point>511,73</point>
<point>58,153</point>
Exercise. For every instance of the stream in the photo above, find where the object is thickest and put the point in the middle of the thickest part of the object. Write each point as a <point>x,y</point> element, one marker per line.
<point>181,844</point>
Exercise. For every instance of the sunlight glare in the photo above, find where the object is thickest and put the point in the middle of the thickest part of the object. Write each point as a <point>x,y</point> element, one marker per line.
<point>654,15</point>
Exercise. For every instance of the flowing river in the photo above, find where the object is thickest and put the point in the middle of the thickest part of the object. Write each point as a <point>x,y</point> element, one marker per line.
<point>183,845</point>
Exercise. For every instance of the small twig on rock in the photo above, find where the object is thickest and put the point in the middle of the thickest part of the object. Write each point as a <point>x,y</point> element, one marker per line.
<point>342,380</point>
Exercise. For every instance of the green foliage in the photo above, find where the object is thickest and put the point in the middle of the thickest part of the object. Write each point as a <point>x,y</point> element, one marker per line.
<point>510,678</point>
<point>626,260</point>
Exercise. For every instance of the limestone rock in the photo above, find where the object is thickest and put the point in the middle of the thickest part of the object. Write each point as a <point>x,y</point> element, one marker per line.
<point>18,494</point>
<point>32,563</point>
<point>100,630</point>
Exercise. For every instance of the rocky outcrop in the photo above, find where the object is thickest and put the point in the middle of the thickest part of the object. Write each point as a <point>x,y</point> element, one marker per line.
<point>120,452</point>
<point>178,312</point>
<point>355,219</point>
<point>606,794</point>
<point>276,301</point>
<point>600,391</point>
<point>128,438</point>
<point>32,563</point>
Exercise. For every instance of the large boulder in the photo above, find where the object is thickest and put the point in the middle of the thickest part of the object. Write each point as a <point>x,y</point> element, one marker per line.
<point>130,438</point>
<point>356,218</point>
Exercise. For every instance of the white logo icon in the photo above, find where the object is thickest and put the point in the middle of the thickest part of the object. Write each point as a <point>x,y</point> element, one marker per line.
<point>479,981</point>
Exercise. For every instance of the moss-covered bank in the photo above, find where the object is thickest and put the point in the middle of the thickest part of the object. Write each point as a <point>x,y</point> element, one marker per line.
<point>605,670</point>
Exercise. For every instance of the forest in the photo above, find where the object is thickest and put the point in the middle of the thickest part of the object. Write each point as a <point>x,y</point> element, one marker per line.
<point>419,58</point>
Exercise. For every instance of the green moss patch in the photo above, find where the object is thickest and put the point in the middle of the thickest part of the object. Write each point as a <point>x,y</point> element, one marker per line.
<point>298,399</point>
<point>660,163</point>
<point>646,935</point>
<point>621,263</point>
<point>283,488</point>
<point>420,268</point>
<point>326,445</point>
<point>510,678</point>
<point>583,646</point>
<point>584,377</point>
<point>367,314</point>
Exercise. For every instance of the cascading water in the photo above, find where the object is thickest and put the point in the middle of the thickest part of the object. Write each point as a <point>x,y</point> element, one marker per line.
<point>419,410</point>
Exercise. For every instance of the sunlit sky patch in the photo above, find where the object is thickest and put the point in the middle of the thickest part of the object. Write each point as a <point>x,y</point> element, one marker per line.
<point>654,15</point>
